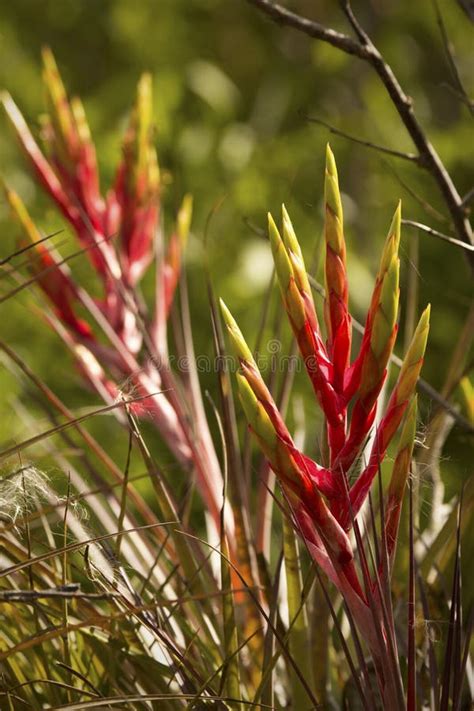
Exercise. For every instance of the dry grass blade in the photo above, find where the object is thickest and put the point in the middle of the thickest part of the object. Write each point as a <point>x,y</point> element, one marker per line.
<point>77,546</point>
<point>252,593</point>
<point>411,685</point>
<point>450,677</point>
<point>15,449</point>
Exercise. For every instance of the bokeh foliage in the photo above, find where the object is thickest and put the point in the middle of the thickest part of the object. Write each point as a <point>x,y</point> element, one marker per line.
<point>232,96</point>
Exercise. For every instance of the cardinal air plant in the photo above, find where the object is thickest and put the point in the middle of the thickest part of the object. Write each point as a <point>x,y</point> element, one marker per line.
<point>121,234</point>
<point>324,501</point>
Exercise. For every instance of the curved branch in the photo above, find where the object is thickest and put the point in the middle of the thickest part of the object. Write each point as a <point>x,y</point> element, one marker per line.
<point>364,49</point>
<point>281,15</point>
<point>411,157</point>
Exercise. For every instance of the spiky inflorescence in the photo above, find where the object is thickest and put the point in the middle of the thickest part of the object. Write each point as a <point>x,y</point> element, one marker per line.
<point>119,234</point>
<point>323,504</point>
<point>397,405</point>
<point>337,318</point>
<point>364,379</point>
<point>299,304</point>
<point>302,480</point>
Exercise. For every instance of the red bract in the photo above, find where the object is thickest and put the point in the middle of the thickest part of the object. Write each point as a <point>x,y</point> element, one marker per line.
<point>323,504</point>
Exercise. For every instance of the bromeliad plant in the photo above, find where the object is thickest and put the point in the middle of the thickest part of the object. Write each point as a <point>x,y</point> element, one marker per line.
<point>121,234</point>
<point>324,500</point>
<point>182,635</point>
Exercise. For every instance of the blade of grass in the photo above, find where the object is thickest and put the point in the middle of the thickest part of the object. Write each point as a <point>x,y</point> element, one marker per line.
<point>298,634</point>
<point>411,686</point>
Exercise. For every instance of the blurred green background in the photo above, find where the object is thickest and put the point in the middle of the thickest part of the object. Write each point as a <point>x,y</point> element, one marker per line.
<point>232,92</point>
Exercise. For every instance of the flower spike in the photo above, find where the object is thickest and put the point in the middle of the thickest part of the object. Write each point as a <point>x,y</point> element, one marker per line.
<point>51,276</point>
<point>397,405</point>
<point>137,186</point>
<point>367,375</point>
<point>291,274</point>
<point>336,314</point>
<point>118,234</point>
<point>323,504</point>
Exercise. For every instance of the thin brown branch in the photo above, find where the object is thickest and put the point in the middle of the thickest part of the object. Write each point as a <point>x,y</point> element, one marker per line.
<point>412,157</point>
<point>354,23</point>
<point>14,449</point>
<point>282,16</point>
<point>422,202</point>
<point>365,49</point>
<point>459,89</point>
<point>54,593</point>
<point>468,197</point>
<point>28,247</point>
<point>440,235</point>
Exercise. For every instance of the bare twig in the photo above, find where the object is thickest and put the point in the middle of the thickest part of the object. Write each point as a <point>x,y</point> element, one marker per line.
<point>14,449</point>
<point>422,202</point>
<point>54,593</point>
<point>459,89</point>
<point>412,157</point>
<point>313,29</point>
<point>468,197</point>
<point>28,247</point>
<point>435,233</point>
<point>364,49</point>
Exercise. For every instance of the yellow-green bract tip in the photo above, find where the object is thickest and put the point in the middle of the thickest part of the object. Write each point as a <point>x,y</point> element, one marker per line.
<point>19,211</point>
<point>294,252</point>
<point>183,222</point>
<point>144,101</point>
<point>334,222</point>
<point>256,414</point>
<point>386,314</point>
<point>48,58</point>
<point>413,360</point>
<point>238,341</point>
<point>283,266</point>
<point>420,337</point>
<point>289,236</point>
<point>331,167</point>
<point>392,242</point>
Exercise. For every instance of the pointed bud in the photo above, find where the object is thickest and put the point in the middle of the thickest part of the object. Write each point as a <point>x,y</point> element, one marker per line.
<point>397,405</point>
<point>145,160</point>
<point>333,227</point>
<point>386,315</point>
<point>392,242</point>
<point>257,417</point>
<point>295,305</point>
<point>183,222</point>
<point>238,341</point>
<point>413,360</point>
<point>60,110</point>
<point>80,120</point>
<point>283,266</point>
<point>295,254</point>
<point>21,213</point>
<point>43,169</point>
